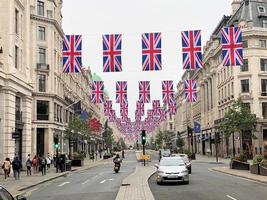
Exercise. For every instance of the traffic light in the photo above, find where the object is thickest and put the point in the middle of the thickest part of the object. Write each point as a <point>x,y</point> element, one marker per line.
<point>143,137</point>
<point>56,142</point>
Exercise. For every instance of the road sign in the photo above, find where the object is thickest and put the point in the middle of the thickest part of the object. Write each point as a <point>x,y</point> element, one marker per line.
<point>144,157</point>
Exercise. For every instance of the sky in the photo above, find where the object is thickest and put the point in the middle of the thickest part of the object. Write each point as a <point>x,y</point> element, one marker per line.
<point>131,18</point>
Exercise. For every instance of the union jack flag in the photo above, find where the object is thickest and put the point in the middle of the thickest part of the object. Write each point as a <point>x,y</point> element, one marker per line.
<point>112,53</point>
<point>156,107</point>
<point>137,116</point>
<point>151,51</point>
<point>191,49</point>
<point>121,92</point>
<point>112,116</point>
<point>163,115</point>
<point>172,108</point>
<point>124,109</point>
<point>72,54</point>
<point>98,92</point>
<point>232,48</point>
<point>167,92</point>
<point>149,114</point>
<point>140,108</point>
<point>144,91</point>
<point>190,88</point>
<point>107,107</point>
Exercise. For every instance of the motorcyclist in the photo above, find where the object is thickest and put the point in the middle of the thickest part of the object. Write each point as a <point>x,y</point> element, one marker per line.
<point>117,160</point>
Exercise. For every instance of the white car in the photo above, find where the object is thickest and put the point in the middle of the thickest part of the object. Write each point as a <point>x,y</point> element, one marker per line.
<point>4,194</point>
<point>172,169</point>
<point>185,158</point>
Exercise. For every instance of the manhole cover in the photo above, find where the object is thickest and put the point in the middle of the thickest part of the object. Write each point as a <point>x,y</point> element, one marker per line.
<point>125,184</point>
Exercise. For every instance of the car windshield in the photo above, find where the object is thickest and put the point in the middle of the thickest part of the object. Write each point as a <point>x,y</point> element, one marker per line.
<point>166,152</point>
<point>171,162</point>
<point>185,159</point>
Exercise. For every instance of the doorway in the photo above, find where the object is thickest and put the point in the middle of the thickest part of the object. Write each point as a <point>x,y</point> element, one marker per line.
<point>40,141</point>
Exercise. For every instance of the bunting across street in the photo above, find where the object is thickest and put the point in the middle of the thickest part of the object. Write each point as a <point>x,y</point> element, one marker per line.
<point>190,90</point>
<point>167,92</point>
<point>232,46</point>
<point>72,54</point>
<point>151,51</point>
<point>112,45</point>
<point>144,91</point>
<point>107,108</point>
<point>156,107</point>
<point>191,49</point>
<point>98,92</point>
<point>121,92</point>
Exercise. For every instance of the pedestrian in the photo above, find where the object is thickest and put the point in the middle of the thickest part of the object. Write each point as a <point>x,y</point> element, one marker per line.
<point>100,153</point>
<point>55,160</point>
<point>29,167</point>
<point>16,166</point>
<point>6,167</point>
<point>43,164</point>
<point>96,154</point>
<point>122,154</point>
<point>35,164</point>
<point>48,161</point>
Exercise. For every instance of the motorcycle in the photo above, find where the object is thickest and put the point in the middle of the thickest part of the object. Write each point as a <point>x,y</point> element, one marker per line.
<point>117,165</point>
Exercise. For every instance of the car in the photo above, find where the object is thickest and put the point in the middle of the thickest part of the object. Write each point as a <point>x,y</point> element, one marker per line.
<point>164,153</point>
<point>5,195</point>
<point>185,158</point>
<point>171,169</point>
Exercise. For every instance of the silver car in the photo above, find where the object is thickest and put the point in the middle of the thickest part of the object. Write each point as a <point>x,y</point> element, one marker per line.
<point>172,169</point>
<point>185,158</point>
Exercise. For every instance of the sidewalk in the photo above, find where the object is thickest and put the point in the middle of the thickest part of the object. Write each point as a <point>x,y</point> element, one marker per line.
<point>206,159</point>
<point>135,186</point>
<point>241,173</point>
<point>16,187</point>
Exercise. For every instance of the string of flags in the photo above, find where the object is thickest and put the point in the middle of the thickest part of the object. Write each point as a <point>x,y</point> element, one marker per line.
<point>192,59</point>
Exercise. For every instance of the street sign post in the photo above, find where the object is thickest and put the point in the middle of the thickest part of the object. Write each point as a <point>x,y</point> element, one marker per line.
<point>144,143</point>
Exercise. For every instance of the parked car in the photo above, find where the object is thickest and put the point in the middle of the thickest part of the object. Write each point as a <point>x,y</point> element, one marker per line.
<point>4,194</point>
<point>186,160</point>
<point>172,169</point>
<point>165,153</point>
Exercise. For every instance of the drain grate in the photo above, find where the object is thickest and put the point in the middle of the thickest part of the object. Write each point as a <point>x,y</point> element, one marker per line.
<point>125,184</point>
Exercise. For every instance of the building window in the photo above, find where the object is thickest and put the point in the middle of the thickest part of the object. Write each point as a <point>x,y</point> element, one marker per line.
<point>262,43</point>
<point>42,55</point>
<point>263,87</point>
<point>16,21</point>
<point>247,105</point>
<point>16,57</point>
<point>244,67</point>
<point>261,9</point>
<point>42,110</point>
<point>245,44</point>
<point>263,64</point>
<point>264,110</point>
<point>245,86</point>
<point>42,82</point>
<point>171,127</point>
<point>41,33</point>
<point>40,8</point>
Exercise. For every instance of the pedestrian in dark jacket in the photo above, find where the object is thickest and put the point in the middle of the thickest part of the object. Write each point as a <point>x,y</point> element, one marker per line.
<point>43,164</point>
<point>16,166</point>
<point>29,167</point>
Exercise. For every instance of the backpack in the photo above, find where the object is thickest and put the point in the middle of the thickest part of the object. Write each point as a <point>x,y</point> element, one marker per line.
<point>43,161</point>
<point>28,163</point>
<point>16,164</point>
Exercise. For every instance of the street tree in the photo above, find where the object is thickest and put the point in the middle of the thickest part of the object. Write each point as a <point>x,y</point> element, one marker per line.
<point>239,119</point>
<point>180,143</point>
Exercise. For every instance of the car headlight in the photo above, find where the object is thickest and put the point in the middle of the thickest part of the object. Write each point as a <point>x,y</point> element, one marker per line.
<point>160,172</point>
<point>184,171</point>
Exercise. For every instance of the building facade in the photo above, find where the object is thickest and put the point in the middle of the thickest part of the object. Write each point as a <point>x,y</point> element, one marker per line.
<point>219,86</point>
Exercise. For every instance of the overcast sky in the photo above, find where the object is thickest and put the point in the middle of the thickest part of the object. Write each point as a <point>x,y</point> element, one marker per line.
<point>131,18</point>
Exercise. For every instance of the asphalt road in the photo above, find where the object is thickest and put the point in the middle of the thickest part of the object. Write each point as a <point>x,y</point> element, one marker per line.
<point>207,185</point>
<point>98,183</point>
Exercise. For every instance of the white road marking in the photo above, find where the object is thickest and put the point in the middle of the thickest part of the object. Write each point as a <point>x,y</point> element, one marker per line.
<point>111,179</point>
<point>86,181</point>
<point>103,181</point>
<point>231,197</point>
<point>63,184</point>
<point>27,194</point>
<point>95,176</point>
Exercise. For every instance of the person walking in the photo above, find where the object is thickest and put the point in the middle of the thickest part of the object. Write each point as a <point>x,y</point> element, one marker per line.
<point>29,167</point>
<point>48,161</point>
<point>35,164</point>
<point>6,167</point>
<point>43,164</point>
<point>16,166</point>
<point>122,154</point>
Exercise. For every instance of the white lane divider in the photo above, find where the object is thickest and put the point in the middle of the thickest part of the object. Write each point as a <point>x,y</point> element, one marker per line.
<point>231,197</point>
<point>62,184</point>
<point>86,181</point>
<point>103,181</point>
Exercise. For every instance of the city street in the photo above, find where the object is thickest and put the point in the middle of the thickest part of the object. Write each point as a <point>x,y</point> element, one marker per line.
<point>97,183</point>
<point>207,185</point>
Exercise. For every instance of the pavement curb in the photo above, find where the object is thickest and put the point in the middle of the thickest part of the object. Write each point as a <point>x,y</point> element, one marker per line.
<point>237,175</point>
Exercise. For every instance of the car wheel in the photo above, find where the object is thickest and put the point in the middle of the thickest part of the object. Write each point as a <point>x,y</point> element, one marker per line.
<point>186,182</point>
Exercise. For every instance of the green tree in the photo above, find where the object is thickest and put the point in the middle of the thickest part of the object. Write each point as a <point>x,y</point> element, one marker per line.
<point>180,143</point>
<point>238,119</point>
<point>168,137</point>
<point>159,139</point>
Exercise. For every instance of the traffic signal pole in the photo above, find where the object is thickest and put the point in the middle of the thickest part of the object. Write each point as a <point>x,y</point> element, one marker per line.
<point>143,135</point>
<point>144,153</point>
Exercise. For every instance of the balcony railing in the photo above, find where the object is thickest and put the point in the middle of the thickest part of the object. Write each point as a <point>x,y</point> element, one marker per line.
<point>42,116</point>
<point>42,66</point>
<point>264,93</point>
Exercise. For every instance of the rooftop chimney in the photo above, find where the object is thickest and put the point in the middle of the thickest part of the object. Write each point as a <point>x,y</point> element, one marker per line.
<point>235,5</point>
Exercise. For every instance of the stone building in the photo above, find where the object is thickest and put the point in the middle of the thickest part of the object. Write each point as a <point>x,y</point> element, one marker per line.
<point>219,86</point>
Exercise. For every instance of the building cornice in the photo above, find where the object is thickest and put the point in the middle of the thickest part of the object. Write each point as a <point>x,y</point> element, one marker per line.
<point>50,21</point>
